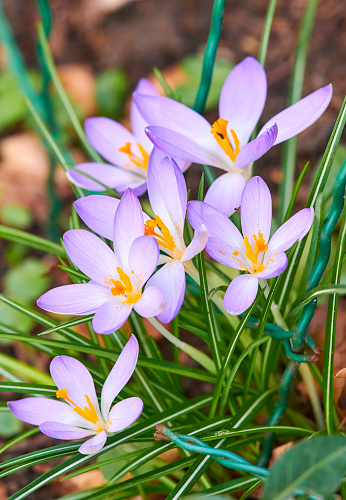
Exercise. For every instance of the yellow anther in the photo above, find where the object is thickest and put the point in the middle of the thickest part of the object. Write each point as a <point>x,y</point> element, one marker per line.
<point>219,131</point>
<point>139,161</point>
<point>89,413</point>
<point>165,239</point>
<point>260,246</point>
<point>123,287</point>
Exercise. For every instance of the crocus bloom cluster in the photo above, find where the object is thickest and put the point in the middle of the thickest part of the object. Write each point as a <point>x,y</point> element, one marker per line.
<point>81,416</point>
<point>252,251</point>
<point>117,278</point>
<point>168,198</point>
<point>182,133</point>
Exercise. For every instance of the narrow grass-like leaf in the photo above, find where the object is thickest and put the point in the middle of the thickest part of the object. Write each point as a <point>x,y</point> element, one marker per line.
<point>45,390</point>
<point>24,369</point>
<point>295,192</point>
<point>31,240</point>
<point>314,293</point>
<point>18,439</point>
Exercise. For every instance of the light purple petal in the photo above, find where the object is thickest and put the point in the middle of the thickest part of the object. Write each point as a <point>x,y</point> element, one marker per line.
<point>112,176</point>
<point>128,225</point>
<point>37,410</point>
<point>107,136</point>
<point>111,316</point>
<point>197,244</point>
<point>292,230</point>
<point>225,193</point>
<point>143,258</point>
<point>69,373</point>
<point>240,294</point>
<point>256,209</point>
<point>98,212</point>
<point>74,299</point>
<point>276,265</point>
<point>138,123</point>
<point>242,98</point>
<point>226,254</point>
<point>257,148</point>
<point>63,431</point>
<point>124,413</point>
<point>218,225</point>
<point>94,444</point>
<point>170,279</point>
<point>119,375</point>
<point>151,303</point>
<point>157,155</point>
<point>301,115</point>
<point>91,255</point>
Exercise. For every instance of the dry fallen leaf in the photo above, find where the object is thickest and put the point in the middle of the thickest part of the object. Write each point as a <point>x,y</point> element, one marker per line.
<point>341,373</point>
<point>78,81</point>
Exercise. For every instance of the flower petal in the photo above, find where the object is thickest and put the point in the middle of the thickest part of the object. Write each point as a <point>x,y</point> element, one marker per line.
<point>90,254</point>
<point>124,413</point>
<point>243,96</point>
<point>276,265</point>
<point>69,373</point>
<point>225,192</point>
<point>157,155</point>
<point>63,431</point>
<point>170,279</point>
<point>37,410</point>
<point>94,444</point>
<point>223,252</point>
<point>119,375</point>
<point>143,258</point>
<point>218,225</point>
<point>257,148</point>
<point>114,177</point>
<point>98,212</point>
<point>151,303</point>
<point>292,230</point>
<point>256,209</point>
<point>110,317</point>
<point>301,115</point>
<point>128,225</point>
<point>197,244</point>
<point>240,294</point>
<point>138,123</point>
<point>74,299</point>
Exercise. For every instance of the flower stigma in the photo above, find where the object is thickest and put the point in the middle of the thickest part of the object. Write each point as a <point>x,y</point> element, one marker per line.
<point>87,413</point>
<point>260,246</point>
<point>219,131</point>
<point>164,239</point>
<point>138,161</point>
<point>124,287</point>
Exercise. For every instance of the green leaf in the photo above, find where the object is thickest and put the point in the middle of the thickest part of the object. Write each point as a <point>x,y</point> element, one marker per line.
<point>12,104</point>
<point>16,215</point>
<point>317,465</point>
<point>32,241</point>
<point>112,89</point>
<point>9,425</point>
<point>27,280</point>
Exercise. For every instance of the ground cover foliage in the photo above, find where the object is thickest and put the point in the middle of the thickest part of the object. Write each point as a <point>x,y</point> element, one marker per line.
<point>216,400</point>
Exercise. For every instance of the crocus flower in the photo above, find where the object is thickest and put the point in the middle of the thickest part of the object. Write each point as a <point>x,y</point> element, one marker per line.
<point>168,199</point>
<point>182,133</point>
<point>117,278</point>
<point>127,153</point>
<point>252,251</point>
<point>81,416</point>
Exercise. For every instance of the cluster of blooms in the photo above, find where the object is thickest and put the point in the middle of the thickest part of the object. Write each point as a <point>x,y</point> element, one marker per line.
<point>167,136</point>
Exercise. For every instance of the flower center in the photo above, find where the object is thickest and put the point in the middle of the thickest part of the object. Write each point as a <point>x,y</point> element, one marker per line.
<point>139,161</point>
<point>124,287</point>
<point>252,253</point>
<point>164,239</point>
<point>89,413</point>
<point>219,131</point>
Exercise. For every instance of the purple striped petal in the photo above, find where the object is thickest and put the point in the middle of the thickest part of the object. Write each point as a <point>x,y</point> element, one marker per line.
<point>37,410</point>
<point>170,279</point>
<point>301,115</point>
<point>111,316</point>
<point>276,265</point>
<point>240,294</point>
<point>119,375</point>
<point>128,225</point>
<point>256,209</point>
<point>91,255</point>
<point>124,413</point>
<point>151,303</point>
<point>138,123</point>
<point>94,444</point>
<point>197,244</point>
<point>292,230</point>
<point>243,96</point>
<point>63,431</point>
<point>74,299</point>
<point>223,252</point>
<point>114,177</point>
<point>256,148</point>
<point>143,258</point>
<point>98,212</point>
<point>157,155</point>
<point>225,193</point>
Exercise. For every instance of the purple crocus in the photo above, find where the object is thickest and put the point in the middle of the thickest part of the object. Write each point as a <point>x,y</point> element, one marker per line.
<point>168,199</point>
<point>81,416</point>
<point>182,133</point>
<point>127,153</point>
<point>117,278</point>
<point>252,251</point>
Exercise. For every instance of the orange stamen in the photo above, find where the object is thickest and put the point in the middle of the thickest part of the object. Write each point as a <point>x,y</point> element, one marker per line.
<point>260,246</point>
<point>219,131</point>
<point>138,161</point>
<point>87,413</point>
<point>164,239</point>
<point>124,287</point>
